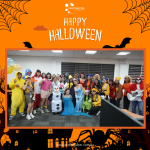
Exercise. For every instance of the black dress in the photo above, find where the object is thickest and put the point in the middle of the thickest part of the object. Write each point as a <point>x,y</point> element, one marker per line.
<point>72,93</point>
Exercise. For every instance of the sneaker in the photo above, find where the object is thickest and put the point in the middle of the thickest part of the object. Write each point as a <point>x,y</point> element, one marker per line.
<point>38,109</point>
<point>46,110</point>
<point>87,112</point>
<point>11,117</point>
<point>34,111</point>
<point>42,111</point>
<point>28,117</point>
<point>98,112</point>
<point>31,115</point>
<point>22,114</point>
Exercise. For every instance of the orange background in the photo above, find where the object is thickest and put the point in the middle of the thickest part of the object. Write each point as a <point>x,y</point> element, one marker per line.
<point>107,16</point>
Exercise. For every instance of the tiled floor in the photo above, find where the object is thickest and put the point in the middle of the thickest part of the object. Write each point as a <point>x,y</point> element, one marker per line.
<point>51,120</point>
<point>57,120</point>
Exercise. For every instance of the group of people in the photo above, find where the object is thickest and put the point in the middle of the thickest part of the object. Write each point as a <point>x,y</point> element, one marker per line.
<point>81,94</point>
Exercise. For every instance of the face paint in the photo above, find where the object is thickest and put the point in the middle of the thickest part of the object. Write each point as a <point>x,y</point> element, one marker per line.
<point>138,80</point>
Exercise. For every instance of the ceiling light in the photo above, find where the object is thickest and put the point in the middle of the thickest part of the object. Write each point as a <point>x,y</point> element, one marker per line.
<point>24,50</point>
<point>123,53</point>
<point>90,52</point>
<point>57,51</point>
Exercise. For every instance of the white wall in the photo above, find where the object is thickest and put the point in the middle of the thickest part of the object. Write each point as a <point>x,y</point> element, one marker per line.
<point>53,64</point>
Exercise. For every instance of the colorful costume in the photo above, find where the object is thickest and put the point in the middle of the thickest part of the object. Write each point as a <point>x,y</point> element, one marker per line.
<point>79,98</point>
<point>45,88</point>
<point>26,71</point>
<point>69,109</point>
<point>112,94</point>
<point>125,86</point>
<point>88,83</point>
<point>119,93</point>
<point>139,100</point>
<point>87,102</point>
<point>105,89</point>
<point>70,84</point>
<point>97,104</point>
<point>17,99</point>
<point>38,90</point>
<point>56,105</point>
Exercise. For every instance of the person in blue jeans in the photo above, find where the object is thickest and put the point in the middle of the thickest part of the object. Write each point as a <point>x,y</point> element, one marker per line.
<point>138,85</point>
<point>28,72</point>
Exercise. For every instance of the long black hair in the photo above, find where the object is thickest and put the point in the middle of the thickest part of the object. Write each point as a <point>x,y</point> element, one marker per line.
<point>90,94</point>
<point>69,83</point>
<point>64,80</point>
<point>48,74</point>
<point>95,83</point>
<point>113,83</point>
<point>86,81</point>
<point>66,90</point>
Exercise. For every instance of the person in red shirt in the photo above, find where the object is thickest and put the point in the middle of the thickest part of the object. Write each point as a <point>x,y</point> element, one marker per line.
<point>112,91</point>
<point>138,85</point>
<point>127,83</point>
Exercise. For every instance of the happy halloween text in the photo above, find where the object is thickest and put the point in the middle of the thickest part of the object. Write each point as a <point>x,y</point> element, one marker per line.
<point>72,33</point>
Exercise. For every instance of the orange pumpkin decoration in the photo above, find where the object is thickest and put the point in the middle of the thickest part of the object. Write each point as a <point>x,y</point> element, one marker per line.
<point>5,130</point>
<point>5,138</point>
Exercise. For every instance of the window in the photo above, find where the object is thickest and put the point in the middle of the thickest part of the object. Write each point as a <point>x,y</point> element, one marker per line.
<point>17,131</point>
<point>128,143</point>
<point>148,131</point>
<point>88,68</point>
<point>50,131</point>
<point>57,143</point>
<point>16,143</point>
<point>136,70</point>
<point>66,142</point>
<point>50,143</point>
<point>35,131</point>
<point>62,142</point>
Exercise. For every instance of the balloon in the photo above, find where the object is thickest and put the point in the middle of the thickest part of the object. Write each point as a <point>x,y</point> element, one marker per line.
<point>16,67</point>
<point>9,69</point>
<point>10,62</point>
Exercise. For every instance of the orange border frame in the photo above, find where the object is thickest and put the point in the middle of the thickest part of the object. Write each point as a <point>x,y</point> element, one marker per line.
<point>121,49</point>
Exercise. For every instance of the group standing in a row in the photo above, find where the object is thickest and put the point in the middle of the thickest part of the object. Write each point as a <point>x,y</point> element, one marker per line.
<point>85,92</point>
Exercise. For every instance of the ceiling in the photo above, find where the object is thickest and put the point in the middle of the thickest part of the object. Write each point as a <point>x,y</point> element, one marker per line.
<point>105,54</point>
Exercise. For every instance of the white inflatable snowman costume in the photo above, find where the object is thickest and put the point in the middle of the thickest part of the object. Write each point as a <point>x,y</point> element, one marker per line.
<point>56,104</point>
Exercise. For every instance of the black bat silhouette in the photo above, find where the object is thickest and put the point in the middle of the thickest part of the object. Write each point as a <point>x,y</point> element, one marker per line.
<point>27,44</point>
<point>122,45</point>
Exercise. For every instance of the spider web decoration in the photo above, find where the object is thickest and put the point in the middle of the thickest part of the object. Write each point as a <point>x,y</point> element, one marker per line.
<point>10,12</point>
<point>140,12</point>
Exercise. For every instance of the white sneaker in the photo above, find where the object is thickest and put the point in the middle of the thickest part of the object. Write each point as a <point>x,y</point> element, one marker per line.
<point>34,111</point>
<point>31,115</point>
<point>38,109</point>
<point>98,112</point>
<point>46,110</point>
<point>28,117</point>
<point>42,111</point>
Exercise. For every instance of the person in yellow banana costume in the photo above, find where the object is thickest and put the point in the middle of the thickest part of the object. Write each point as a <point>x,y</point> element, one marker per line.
<point>17,99</point>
